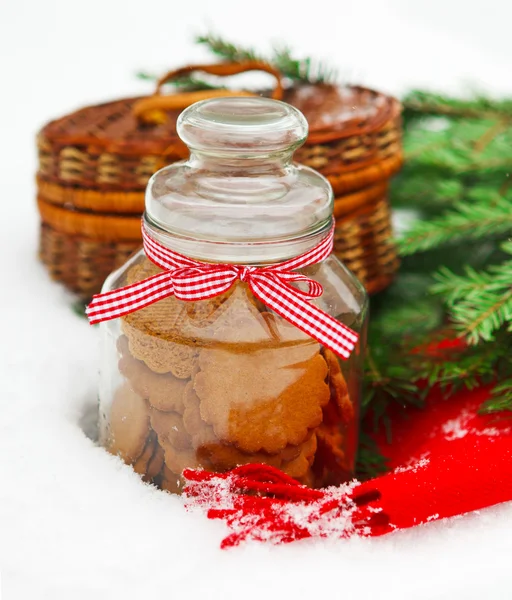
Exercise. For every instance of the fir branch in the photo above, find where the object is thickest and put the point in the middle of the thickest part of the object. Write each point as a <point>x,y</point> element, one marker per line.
<point>302,71</point>
<point>184,83</point>
<point>389,381</point>
<point>78,307</point>
<point>466,222</point>
<point>226,50</point>
<point>472,283</point>
<point>370,462</point>
<point>145,76</point>
<point>479,108</point>
<point>466,367</point>
<point>507,247</point>
<point>479,318</point>
<point>298,70</point>
<point>479,303</point>
<point>501,398</point>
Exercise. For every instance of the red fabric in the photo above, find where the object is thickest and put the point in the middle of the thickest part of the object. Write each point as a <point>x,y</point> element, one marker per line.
<point>447,460</point>
<point>463,462</point>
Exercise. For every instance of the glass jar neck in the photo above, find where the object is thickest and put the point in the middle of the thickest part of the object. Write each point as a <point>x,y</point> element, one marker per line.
<point>240,165</point>
<point>240,253</point>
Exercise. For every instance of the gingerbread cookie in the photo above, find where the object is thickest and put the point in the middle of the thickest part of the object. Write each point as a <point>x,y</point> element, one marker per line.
<point>201,315</point>
<point>170,482</point>
<point>140,466</point>
<point>330,449</point>
<point>129,424</point>
<point>160,355</point>
<point>223,457</point>
<point>239,322</point>
<point>177,460</point>
<point>258,401</point>
<point>308,479</point>
<point>298,467</point>
<point>169,427</point>
<point>339,388</point>
<point>142,269</point>
<point>199,431</point>
<point>155,464</point>
<point>164,392</point>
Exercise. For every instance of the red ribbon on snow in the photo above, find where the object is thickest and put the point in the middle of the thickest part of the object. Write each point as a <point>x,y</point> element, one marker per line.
<point>192,280</point>
<point>447,460</point>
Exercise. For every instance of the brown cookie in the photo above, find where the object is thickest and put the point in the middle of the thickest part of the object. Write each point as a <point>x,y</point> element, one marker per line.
<point>339,388</point>
<point>291,452</point>
<point>170,482</point>
<point>164,392</point>
<point>169,426</point>
<point>129,424</point>
<point>200,432</point>
<point>142,269</point>
<point>203,314</point>
<point>308,479</point>
<point>160,355</point>
<point>156,463</point>
<point>260,401</point>
<point>140,466</point>
<point>222,457</point>
<point>330,453</point>
<point>239,321</point>
<point>298,467</point>
<point>177,460</point>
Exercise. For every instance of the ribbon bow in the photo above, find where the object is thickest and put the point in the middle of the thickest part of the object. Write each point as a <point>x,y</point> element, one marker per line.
<point>192,280</point>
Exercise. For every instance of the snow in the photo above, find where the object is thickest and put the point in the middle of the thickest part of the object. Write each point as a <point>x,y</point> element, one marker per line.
<point>75,522</point>
<point>459,427</point>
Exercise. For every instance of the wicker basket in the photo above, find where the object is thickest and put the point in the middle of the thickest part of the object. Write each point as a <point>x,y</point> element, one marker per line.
<point>94,165</point>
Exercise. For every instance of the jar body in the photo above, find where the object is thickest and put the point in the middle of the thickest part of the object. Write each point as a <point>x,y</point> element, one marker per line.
<point>223,382</point>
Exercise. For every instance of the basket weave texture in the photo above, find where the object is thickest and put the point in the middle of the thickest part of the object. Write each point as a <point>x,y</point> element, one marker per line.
<point>94,165</point>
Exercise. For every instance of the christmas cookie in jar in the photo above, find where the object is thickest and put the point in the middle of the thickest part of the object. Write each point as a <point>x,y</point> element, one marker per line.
<point>234,336</point>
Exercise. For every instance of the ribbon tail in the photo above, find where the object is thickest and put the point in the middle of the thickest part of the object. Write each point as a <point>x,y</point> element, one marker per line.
<point>128,299</point>
<point>288,303</point>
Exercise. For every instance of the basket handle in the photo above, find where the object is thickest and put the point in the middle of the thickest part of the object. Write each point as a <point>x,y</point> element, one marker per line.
<point>153,109</point>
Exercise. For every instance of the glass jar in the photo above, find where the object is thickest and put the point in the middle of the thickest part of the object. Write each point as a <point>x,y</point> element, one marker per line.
<point>226,381</point>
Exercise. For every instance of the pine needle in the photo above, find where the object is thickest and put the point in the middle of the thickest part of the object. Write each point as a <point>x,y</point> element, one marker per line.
<point>297,70</point>
<point>501,398</point>
<point>466,222</point>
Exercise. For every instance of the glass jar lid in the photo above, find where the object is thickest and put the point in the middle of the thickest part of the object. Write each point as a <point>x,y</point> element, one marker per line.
<point>240,192</point>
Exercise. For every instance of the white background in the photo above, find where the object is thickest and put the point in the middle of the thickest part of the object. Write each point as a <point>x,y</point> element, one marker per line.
<point>75,523</point>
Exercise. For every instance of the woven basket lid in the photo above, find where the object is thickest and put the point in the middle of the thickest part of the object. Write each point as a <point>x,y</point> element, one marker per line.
<point>143,126</point>
<point>118,145</point>
<point>337,112</point>
<point>113,127</point>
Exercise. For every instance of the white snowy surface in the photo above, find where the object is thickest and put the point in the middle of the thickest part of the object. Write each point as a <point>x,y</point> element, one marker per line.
<point>74,522</point>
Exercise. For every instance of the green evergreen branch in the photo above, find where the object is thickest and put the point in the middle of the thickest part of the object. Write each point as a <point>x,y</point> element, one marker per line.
<point>466,222</point>
<point>370,463</point>
<point>477,108</point>
<point>184,83</point>
<point>501,398</point>
<point>302,71</point>
<point>298,70</point>
<point>473,283</point>
<point>479,318</point>
<point>226,50</point>
<point>388,382</point>
<point>466,367</point>
<point>479,303</point>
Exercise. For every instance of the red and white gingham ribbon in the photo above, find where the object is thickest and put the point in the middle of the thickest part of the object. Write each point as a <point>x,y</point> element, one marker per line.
<point>191,280</point>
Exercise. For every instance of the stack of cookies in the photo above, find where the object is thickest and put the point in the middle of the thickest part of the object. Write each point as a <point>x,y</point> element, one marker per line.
<point>223,382</point>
